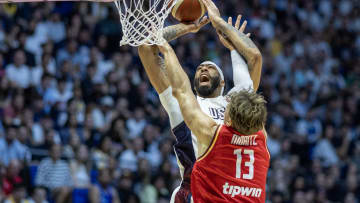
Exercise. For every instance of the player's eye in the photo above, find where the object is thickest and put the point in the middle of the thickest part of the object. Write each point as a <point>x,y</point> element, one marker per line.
<point>211,68</point>
<point>200,68</point>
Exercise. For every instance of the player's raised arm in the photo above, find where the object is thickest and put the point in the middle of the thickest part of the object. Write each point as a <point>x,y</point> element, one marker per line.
<point>174,31</point>
<point>241,70</point>
<point>152,62</point>
<point>202,125</point>
<point>241,42</point>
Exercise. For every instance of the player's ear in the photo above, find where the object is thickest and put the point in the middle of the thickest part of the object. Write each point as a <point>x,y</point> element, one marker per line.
<point>222,83</point>
<point>228,122</point>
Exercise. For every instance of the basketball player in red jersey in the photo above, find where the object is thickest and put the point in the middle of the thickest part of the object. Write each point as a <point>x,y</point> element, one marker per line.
<point>234,159</point>
<point>209,92</point>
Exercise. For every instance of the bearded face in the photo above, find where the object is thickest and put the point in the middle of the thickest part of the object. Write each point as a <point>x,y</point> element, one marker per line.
<point>207,80</point>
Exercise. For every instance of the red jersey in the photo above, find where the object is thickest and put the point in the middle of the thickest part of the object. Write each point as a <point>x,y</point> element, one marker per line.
<point>233,169</point>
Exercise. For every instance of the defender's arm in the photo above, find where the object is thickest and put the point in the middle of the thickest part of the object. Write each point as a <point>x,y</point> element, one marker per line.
<point>151,60</point>
<point>153,64</point>
<point>154,68</point>
<point>241,76</point>
<point>245,46</point>
<point>240,41</point>
<point>199,123</point>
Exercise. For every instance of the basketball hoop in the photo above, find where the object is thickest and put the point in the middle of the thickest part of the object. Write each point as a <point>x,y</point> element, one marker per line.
<point>143,20</point>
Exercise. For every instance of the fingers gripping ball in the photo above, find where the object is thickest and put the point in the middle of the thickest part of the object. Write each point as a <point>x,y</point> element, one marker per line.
<point>188,11</point>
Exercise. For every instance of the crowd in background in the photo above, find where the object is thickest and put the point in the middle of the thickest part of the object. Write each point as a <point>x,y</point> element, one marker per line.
<point>80,120</point>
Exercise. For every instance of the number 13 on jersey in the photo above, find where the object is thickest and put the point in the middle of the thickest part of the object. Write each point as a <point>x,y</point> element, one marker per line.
<point>250,164</point>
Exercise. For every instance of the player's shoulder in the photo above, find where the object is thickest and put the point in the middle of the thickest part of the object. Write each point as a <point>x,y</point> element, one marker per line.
<point>222,99</point>
<point>219,101</point>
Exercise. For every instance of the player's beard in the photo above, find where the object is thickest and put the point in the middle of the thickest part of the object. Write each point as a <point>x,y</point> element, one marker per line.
<point>205,91</point>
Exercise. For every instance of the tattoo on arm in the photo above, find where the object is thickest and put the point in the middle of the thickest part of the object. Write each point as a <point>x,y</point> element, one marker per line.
<point>172,32</point>
<point>242,36</point>
<point>161,62</point>
<point>247,40</point>
<point>158,58</point>
<point>248,45</point>
<point>251,45</point>
<point>169,34</point>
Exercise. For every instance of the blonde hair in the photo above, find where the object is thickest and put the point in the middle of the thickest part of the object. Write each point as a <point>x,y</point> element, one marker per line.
<point>247,111</point>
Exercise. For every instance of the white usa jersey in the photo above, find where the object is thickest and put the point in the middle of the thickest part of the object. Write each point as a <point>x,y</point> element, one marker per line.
<point>213,107</point>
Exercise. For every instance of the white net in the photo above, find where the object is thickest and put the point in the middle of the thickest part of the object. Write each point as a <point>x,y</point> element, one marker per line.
<point>143,20</point>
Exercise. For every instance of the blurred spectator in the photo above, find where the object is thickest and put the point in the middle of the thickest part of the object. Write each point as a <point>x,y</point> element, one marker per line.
<point>69,53</point>
<point>324,150</point>
<point>130,157</point>
<point>137,123</point>
<point>102,67</point>
<point>103,115</point>
<point>56,28</point>
<point>18,72</point>
<point>126,186</point>
<point>310,127</point>
<point>62,93</point>
<point>103,191</point>
<point>54,174</point>
<point>101,156</point>
<point>70,149</point>
<point>38,195</point>
<point>80,168</point>
<point>147,191</point>
<point>18,195</point>
<point>12,177</point>
<point>11,148</point>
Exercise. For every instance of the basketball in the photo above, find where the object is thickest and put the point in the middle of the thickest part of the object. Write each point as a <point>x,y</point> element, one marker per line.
<point>188,11</point>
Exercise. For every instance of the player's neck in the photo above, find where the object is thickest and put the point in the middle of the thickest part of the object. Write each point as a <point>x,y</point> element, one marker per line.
<point>215,94</point>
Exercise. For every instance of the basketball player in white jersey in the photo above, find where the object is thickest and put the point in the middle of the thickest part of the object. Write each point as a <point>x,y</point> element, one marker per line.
<point>208,84</point>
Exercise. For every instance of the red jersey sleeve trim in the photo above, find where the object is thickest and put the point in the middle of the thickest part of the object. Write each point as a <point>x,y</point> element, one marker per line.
<point>213,141</point>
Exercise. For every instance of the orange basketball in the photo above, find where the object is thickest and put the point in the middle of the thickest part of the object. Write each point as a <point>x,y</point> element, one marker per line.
<point>188,11</point>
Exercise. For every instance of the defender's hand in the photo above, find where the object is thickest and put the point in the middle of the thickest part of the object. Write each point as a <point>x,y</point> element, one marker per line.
<point>212,10</point>
<point>223,38</point>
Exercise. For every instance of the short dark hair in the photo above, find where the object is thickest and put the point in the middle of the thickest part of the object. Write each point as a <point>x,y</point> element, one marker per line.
<point>51,147</point>
<point>19,185</point>
<point>103,171</point>
<point>11,126</point>
<point>247,111</point>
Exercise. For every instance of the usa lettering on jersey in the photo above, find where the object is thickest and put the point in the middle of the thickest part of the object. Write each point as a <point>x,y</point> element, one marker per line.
<point>233,190</point>
<point>217,113</point>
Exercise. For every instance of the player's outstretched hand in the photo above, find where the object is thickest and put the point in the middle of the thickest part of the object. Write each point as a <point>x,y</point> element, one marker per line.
<point>237,25</point>
<point>212,10</point>
<point>223,38</point>
<point>194,28</point>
